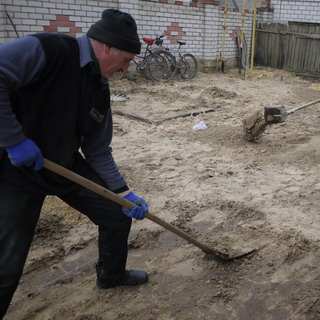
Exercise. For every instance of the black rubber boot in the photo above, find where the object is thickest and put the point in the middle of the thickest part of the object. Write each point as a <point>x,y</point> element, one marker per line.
<point>129,278</point>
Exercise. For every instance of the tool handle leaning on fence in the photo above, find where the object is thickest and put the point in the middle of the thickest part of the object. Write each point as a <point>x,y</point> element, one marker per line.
<point>304,106</point>
<point>123,202</point>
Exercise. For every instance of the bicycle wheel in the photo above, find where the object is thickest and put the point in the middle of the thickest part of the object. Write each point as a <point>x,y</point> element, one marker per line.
<point>172,66</point>
<point>188,66</point>
<point>160,65</point>
<point>141,68</point>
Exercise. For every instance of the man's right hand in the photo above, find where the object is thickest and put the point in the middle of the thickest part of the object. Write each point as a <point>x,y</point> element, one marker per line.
<point>138,211</point>
<point>26,153</point>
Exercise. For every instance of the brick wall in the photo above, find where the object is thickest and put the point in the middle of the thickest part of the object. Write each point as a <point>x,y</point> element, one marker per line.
<point>65,16</point>
<point>295,10</point>
<point>198,22</point>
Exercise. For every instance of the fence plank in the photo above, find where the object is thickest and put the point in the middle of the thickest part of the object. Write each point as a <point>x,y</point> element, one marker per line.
<point>293,46</point>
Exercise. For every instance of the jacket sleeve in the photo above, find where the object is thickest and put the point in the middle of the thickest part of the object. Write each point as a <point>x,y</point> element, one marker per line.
<point>21,61</point>
<point>98,152</point>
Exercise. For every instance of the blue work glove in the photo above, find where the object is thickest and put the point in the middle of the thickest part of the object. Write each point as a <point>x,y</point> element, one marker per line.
<point>26,153</point>
<point>137,212</point>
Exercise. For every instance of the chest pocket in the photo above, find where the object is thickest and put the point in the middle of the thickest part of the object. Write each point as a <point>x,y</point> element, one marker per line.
<point>95,115</point>
<point>95,104</point>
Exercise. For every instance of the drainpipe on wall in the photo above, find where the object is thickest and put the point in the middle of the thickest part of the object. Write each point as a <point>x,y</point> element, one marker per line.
<point>14,27</point>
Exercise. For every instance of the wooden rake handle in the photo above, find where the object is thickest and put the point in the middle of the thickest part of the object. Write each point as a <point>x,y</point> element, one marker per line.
<point>123,202</point>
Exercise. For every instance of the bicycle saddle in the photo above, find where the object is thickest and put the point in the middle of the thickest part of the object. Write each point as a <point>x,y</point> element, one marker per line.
<point>182,43</point>
<point>148,40</point>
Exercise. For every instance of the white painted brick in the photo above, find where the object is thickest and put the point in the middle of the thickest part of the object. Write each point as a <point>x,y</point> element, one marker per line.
<point>80,25</point>
<point>35,3</point>
<point>86,19</point>
<point>22,28</point>
<point>55,11</point>
<point>43,23</point>
<point>37,16</point>
<point>86,8</point>
<point>97,9</point>
<point>42,10</point>
<point>21,15</point>
<point>49,5</point>
<point>12,9</point>
<point>68,12</point>
<point>37,28</point>
<point>16,21</point>
<point>62,6</point>
<point>63,29</point>
<point>49,17</point>
<point>28,21</point>
<point>19,2</point>
<point>75,18</point>
<point>78,13</point>
<point>74,7</point>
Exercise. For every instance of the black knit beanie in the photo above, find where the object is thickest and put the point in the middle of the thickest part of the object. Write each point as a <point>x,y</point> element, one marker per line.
<point>117,29</point>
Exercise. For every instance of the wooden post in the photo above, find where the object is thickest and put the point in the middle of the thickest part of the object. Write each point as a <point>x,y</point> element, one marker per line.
<point>224,33</point>
<point>253,36</point>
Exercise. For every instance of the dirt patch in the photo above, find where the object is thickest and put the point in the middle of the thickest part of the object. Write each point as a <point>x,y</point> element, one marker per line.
<point>213,184</point>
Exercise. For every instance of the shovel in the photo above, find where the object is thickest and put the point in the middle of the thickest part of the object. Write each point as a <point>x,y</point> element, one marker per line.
<point>255,124</point>
<point>278,114</point>
<point>216,254</point>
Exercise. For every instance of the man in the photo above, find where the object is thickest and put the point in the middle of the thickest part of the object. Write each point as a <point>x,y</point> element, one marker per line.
<point>54,99</point>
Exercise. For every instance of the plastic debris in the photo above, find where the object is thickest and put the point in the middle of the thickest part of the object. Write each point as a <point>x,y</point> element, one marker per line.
<point>118,97</point>
<point>200,126</point>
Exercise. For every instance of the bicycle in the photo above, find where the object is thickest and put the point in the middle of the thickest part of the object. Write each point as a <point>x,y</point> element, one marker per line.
<point>155,64</point>
<point>186,63</point>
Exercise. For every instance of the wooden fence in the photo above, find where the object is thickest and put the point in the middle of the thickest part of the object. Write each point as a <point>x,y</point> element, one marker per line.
<point>293,47</point>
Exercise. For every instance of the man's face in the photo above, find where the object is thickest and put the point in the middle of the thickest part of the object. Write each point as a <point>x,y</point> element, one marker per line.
<point>113,60</point>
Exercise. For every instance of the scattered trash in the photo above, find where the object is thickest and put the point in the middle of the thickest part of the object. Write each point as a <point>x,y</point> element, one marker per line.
<point>117,127</point>
<point>178,157</point>
<point>118,97</point>
<point>200,126</point>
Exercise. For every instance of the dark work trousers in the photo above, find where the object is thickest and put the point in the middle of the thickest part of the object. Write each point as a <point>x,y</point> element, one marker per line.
<point>19,214</point>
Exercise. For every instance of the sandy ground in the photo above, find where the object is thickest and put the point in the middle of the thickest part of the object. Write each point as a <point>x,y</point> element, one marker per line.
<point>212,184</point>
